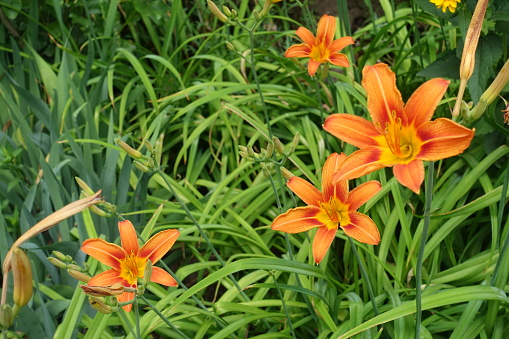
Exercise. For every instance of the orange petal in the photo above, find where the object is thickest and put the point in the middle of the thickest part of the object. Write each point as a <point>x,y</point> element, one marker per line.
<point>313,67</point>
<point>158,245</point>
<point>326,29</point>
<point>106,278</point>
<point>297,220</point>
<point>128,237</point>
<point>322,241</point>
<point>298,51</point>
<point>362,228</point>
<point>360,163</point>
<point>338,44</point>
<point>162,277</point>
<point>107,253</point>
<point>362,193</point>
<point>383,95</point>
<point>306,36</point>
<point>126,296</point>
<point>338,190</point>
<point>339,59</point>
<point>443,138</point>
<point>304,190</point>
<point>352,129</point>
<point>423,102</point>
<point>410,175</point>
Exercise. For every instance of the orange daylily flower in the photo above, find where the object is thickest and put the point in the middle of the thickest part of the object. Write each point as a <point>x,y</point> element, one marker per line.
<point>329,209</point>
<point>128,261</point>
<point>399,135</point>
<point>323,48</point>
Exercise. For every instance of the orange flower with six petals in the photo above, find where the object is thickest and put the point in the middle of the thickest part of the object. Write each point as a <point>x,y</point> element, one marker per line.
<point>323,48</point>
<point>128,261</point>
<point>399,135</point>
<point>329,209</point>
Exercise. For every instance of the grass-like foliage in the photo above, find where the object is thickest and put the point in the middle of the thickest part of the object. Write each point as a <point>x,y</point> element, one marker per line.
<point>287,174</point>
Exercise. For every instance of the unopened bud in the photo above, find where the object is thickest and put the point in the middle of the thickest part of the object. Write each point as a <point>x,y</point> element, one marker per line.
<point>244,155</point>
<point>103,291</point>
<point>234,14</point>
<point>6,316</point>
<point>61,256</point>
<point>100,306</point>
<point>141,167</point>
<point>256,15</point>
<point>270,149</point>
<point>128,149</point>
<point>217,13</point>
<point>73,267</point>
<point>230,46</point>
<point>266,8</point>
<point>227,11</point>
<point>147,275</point>
<point>149,146</point>
<point>22,277</point>
<point>99,212</point>
<point>251,152</point>
<point>286,173</point>
<point>295,142</point>
<point>278,146</point>
<point>79,276</point>
<point>56,262</point>
<point>87,191</point>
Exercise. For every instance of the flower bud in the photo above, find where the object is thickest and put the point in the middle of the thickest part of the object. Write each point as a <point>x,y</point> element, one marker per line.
<point>230,46</point>
<point>79,276</point>
<point>103,291</point>
<point>100,306</point>
<point>87,191</point>
<point>217,13</point>
<point>128,149</point>
<point>22,277</point>
<point>6,316</point>
<point>270,150</point>
<point>141,167</point>
<point>286,173</point>
<point>278,146</point>
<point>57,262</point>
<point>99,212</point>
<point>227,11</point>
<point>266,7</point>
<point>251,152</point>
<point>149,146</point>
<point>147,275</point>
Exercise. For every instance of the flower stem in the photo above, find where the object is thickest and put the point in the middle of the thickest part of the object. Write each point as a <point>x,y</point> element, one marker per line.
<point>137,316</point>
<point>163,318</point>
<point>365,276</point>
<point>418,271</point>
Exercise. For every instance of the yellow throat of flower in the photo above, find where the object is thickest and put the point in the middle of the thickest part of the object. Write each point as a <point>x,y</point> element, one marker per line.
<point>319,52</point>
<point>333,213</point>
<point>401,142</point>
<point>132,267</point>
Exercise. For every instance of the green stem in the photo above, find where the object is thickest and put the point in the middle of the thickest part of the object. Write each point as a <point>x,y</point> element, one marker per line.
<point>137,316</point>
<point>418,271</point>
<point>365,276</point>
<point>163,318</point>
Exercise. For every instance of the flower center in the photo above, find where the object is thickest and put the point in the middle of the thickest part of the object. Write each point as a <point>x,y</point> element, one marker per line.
<point>319,53</point>
<point>401,140</point>
<point>333,213</point>
<point>132,267</point>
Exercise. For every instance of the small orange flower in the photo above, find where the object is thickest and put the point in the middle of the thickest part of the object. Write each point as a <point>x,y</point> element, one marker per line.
<point>329,209</point>
<point>128,262</point>
<point>323,48</point>
<point>400,135</point>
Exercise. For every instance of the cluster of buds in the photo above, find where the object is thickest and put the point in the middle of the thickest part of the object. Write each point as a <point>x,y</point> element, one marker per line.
<point>22,290</point>
<point>142,162</point>
<point>265,157</point>
<point>223,16</point>
<point>66,262</point>
<point>106,209</point>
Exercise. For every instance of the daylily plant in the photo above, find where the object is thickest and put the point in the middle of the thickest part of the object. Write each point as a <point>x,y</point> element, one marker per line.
<point>329,209</point>
<point>128,261</point>
<point>399,135</point>
<point>323,48</point>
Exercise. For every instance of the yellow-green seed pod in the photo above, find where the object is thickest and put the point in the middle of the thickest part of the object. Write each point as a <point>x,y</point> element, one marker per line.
<point>22,277</point>
<point>6,316</point>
